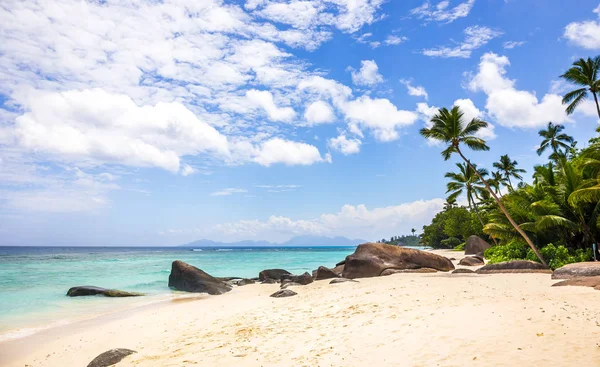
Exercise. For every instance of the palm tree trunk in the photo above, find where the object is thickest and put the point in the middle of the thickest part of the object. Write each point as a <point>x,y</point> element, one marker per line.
<point>481,220</point>
<point>509,183</point>
<point>597,105</point>
<point>514,224</point>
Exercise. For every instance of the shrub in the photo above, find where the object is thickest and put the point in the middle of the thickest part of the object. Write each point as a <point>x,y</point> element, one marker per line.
<point>450,242</point>
<point>511,251</point>
<point>460,247</point>
<point>559,256</point>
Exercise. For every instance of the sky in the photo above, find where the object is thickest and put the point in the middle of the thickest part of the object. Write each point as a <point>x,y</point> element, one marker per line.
<point>149,122</point>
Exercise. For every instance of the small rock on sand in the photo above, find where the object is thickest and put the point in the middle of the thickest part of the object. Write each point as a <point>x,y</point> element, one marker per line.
<point>576,270</point>
<point>463,271</point>
<point>110,358</point>
<point>284,293</point>
<point>515,266</point>
<point>342,280</point>
<point>471,261</point>
<point>593,282</point>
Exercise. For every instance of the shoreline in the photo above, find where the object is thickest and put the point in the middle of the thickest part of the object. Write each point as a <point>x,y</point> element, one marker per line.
<point>401,319</point>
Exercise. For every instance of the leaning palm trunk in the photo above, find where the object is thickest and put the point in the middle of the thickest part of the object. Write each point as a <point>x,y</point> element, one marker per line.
<point>512,222</point>
<point>479,216</point>
<point>597,105</point>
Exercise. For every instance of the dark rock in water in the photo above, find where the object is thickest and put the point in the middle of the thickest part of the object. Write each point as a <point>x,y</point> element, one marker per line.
<point>270,281</point>
<point>371,259</point>
<point>87,290</point>
<point>245,282</point>
<point>188,278</point>
<point>303,279</point>
<point>342,280</point>
<point>576,270</point>
<point>276,274</point>
<point>325,273</point>
<point>290,284</point>
<point>400,271</point>
<point>593,282</point>
<point>110,358</point>
<point>475,245</point>
<point>284,293</point>
<point>343,262</point>
<point>515,266</point>
<point>471,261</point>
<point>463,271</point>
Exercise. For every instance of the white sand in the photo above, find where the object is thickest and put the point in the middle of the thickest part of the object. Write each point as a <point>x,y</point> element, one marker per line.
<point>401,320</point>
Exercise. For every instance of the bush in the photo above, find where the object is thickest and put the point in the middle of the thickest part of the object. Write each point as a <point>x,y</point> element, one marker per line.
<point>559,256</point>
<point>460,247</point>
<point>511,251</point>
<point>450,242</point>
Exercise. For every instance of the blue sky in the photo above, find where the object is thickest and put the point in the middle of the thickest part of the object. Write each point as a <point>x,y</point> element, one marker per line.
<point>159,123</point>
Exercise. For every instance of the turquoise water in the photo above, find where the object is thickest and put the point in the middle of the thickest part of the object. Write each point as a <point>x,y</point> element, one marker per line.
<point>34,280</point>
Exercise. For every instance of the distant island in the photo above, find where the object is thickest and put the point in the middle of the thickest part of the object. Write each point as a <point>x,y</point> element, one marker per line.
<point>297,241</point>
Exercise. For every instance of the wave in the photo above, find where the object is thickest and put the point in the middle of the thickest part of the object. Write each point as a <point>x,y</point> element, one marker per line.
<point>224,249</point>
<point>197,249</point>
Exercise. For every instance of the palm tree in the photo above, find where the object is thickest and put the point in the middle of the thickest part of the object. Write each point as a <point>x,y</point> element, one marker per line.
<point>497,181</point>
<point>413,231</point>
<point>468,181</point>
<point>509,169</point>
<point>583,73</point>
<point>449,127</point>
<point>555,140</point>
<point>449,204</point>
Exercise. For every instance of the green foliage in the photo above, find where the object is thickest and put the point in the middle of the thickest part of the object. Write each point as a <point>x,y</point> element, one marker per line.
<point>512,251</point>
<point>410,241</point>
<point>460,247</point>
<point>450,242</point>
<point>456,222</point>
<point>559,256</point>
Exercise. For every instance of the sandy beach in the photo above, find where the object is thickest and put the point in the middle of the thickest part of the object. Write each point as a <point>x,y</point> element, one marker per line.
<point>437,319</point>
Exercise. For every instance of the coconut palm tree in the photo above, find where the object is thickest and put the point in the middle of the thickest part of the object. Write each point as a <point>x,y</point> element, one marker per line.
<point>497,181</point>
<point>560,143</point>
<point>450,128</point>
<point>449,204</point>
<point>584,73</point>
<point>509,169</point>
<point>467,181</point>
<point>413,231</point>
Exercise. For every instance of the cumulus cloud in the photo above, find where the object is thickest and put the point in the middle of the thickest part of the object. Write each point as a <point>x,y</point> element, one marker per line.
<point>367,75</point>
<point>377,115</point>
<point>319,112</point>
<point>475,37</point>
<point>355,221</point>
<point>264,99</point>
<point>99,127</point>
<point>585,34</point>
<point>288,152</point>
<point>344,145</point>
<point>417,91</point>
<point>442,12</point>
<point>509,106</point>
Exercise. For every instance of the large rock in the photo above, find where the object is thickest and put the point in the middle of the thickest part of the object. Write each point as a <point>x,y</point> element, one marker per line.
<point>303,279</point>
<point>243,282</point>
<point>593,282</point>
<point>110,358</point>
<point>475,245</point>
<point>188,278</point>
<point>371,259</point>
<point>88,290</point>
<point>514,266</point>
<point>576,270</point>
<point>471,261</point>
<point>276,274</point>
<point>284,293</point>
<point>339,269</point>
<point>404,271</point>
<point>325,273</point>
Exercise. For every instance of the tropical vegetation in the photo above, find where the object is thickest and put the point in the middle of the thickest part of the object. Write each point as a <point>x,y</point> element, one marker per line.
<point>553,218</point>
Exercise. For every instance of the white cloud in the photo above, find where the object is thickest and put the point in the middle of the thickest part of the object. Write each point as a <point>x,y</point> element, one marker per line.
<point>319,112</point>
<point>475,37</point>
<point>378,115</point>
<point>277,150</point>
<point>353,221</point>
<point>93,126</point>
<point>442,12</point>
<point>585,34</point>
<point>187,170</point>
<point>509,106</point>
<point>264,99</point>
<point>368,74</point>
<point>392,40</point>
<point>417,91</point>
<point>344,145</point>
<point>228,192</point>
<point>512,44</point>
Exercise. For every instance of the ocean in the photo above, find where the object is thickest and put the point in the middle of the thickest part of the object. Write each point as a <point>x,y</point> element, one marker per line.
<point>34,280</point>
